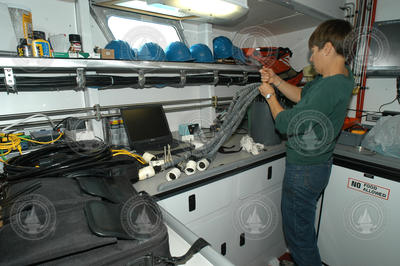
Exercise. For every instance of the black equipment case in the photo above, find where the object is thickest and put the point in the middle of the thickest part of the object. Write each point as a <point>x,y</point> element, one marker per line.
<point>84,217</point>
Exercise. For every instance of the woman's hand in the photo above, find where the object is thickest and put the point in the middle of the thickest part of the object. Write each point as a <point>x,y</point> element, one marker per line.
<point>265,88</point>
<point>269,76</point>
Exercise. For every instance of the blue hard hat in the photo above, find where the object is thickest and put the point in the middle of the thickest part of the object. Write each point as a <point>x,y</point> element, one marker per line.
<point>122,50</point>
<point>201,53</point>
<point>238,54</point>
<point>151,51</point>
<point>178,51</point>
<point>222,47</point>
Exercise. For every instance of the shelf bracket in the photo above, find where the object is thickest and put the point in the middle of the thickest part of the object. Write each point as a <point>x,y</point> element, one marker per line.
<point>9,80</point>
<point>216,78</point>
<point>141,79</point>
<point>80,78</point>
<point>245,78</point>
<point>183,78</point>
<point>215,101</point>
<point>97,112</point>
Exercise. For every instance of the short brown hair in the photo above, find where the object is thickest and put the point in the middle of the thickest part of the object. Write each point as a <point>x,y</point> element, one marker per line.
<point>333,31</point>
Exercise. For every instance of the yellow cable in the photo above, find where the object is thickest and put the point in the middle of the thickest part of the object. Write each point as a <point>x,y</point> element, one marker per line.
<point>14,143</point>
<point>125,152</point>
<point>39,142</point>
<point>137,158</point>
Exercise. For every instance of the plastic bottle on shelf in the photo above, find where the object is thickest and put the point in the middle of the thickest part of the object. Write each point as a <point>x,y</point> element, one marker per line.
<point>124,141</point>
<point>40,47</point>
<point>114,132</point>
<point>23,49</point>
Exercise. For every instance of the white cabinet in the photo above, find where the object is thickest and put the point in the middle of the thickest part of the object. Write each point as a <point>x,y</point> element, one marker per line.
<point>260,178</point>
<point>238,215</point>
<point>360,219</point>
<point>199,202</point>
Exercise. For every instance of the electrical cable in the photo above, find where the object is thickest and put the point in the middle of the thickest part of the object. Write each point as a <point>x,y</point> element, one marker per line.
<point>13,142</point>
<point>233,118</point>
<point>67,159</point>
<point>125,152</point>
<point>28,118</point>
<point>379,110</point>
<point>54,160</point>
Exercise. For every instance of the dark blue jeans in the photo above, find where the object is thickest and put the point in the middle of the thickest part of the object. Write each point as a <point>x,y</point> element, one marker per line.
<point>302,187</point>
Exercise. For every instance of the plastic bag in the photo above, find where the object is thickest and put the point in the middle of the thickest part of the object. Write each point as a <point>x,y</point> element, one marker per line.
<point>384,137</point>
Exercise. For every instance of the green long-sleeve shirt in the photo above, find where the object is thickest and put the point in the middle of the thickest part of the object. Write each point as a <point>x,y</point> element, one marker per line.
<point>313,124</point>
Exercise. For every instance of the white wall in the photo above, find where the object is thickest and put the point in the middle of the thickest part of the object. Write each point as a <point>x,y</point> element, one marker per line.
<point>52,17</point>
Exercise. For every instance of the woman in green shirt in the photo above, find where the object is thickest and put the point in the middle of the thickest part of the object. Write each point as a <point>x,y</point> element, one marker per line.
<point>312,127</point>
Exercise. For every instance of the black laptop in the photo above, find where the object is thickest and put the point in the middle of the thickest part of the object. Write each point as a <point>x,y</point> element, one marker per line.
<point>147,128</point>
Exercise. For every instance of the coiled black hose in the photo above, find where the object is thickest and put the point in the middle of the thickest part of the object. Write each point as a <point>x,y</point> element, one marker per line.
<point>57,159</point>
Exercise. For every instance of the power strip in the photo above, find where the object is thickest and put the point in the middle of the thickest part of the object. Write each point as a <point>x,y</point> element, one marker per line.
<point>373,117</point>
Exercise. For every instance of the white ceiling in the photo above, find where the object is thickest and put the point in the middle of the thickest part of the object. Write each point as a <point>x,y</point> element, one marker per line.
<point>277,18</point>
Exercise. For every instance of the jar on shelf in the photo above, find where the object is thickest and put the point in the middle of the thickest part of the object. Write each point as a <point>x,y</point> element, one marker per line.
<point>76,45</point>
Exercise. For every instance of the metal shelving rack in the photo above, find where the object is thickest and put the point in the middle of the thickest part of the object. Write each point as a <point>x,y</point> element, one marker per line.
<point>117,66</point>
<point>172,73</point>
<point>80,69</point>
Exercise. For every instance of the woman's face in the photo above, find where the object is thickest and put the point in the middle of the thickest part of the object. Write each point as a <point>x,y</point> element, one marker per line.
<point>316,58</point>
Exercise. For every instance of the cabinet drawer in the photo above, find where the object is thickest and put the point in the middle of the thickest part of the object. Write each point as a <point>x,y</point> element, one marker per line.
<point>260,178</point>
<point>196,203</point>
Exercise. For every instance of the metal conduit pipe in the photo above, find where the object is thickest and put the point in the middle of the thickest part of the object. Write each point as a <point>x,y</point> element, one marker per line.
<point>88,117</point>
<point>105,108</point>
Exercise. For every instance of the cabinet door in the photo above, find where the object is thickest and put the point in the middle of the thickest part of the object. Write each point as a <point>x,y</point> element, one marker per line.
<point>260,178</point>
<point>199,202</point>
<point>218,230</point>
<point>258,220</point>
<point>248,233</point>
<point>359,220</point>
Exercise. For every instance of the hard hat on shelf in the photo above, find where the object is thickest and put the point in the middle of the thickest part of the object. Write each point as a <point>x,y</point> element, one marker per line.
<point>178,51</point>
<point>201,53</point>
<point>238,55</point>
<point>222,47</point>
<point>151,51</point>
<point>122,50</point>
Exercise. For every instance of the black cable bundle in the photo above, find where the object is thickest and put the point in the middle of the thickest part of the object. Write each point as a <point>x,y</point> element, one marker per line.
<point>58,160</point>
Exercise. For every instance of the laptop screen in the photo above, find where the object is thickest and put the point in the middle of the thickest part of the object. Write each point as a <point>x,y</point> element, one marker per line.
<point>147,127</point>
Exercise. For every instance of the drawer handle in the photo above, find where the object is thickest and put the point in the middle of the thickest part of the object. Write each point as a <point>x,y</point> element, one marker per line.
<point>369,176</point>
<point>192,202</point>
<point>242,239</point>
<point>223,249</point>
<point>269,173</point>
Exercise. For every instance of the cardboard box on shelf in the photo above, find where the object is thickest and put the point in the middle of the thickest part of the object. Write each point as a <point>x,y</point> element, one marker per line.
<point>107,54</point>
